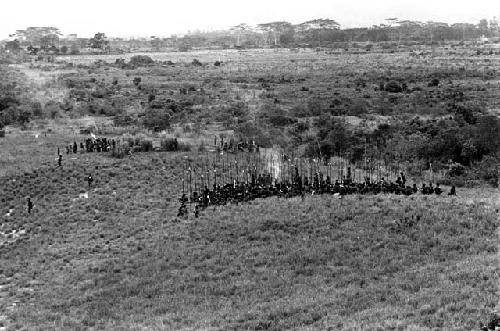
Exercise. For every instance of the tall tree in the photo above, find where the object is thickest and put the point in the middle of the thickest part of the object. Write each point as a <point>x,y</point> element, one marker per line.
<point>315,28</point>
<point>483,27</point>
<point>240,29</point>
<point>275,29</point>
<point>99,41</point>
<point>43,37</point>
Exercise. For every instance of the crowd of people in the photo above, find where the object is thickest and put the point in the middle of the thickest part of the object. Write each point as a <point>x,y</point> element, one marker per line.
<point>91,145</point>
<point>263,186</point>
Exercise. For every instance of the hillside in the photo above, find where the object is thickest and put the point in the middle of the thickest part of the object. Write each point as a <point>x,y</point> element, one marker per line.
<point>120,259</point>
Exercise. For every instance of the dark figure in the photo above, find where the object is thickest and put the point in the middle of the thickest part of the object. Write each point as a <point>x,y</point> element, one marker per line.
<point>30,205</point>
<point>59,160</point>
<point>196,211</point>
<point>58,151</point>
<point>438,190</point>
<point>415,188</point>
<point>403,179</point>
<point>182,210</point>
<point>75,147</point>
<point>452,191</point>
<point>90,180</point>
<point>399,181</point>
<point>184,199</point>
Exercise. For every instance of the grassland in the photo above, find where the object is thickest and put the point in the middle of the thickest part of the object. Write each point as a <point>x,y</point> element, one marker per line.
<point>116,257</point>
<point>121,260</point>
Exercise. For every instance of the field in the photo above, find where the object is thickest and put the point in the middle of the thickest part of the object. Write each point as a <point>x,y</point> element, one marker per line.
<point>116,257</point>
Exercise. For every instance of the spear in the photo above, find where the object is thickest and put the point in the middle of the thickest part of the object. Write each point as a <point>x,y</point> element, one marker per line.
<point>236,167</point>
<point>190,188</point>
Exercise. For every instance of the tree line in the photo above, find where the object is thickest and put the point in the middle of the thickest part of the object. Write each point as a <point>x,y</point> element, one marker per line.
<point>321,32</point>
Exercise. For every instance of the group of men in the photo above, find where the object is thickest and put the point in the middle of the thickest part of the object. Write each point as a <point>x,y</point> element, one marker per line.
<point>263,186</point>
<point>90,145</point>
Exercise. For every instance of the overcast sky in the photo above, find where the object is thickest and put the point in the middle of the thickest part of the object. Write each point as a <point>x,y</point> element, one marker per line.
<point>163,17</point>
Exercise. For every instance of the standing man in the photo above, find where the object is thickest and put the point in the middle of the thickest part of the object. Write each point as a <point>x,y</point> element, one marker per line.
<point>30,205</point>
<point>59,161</point>
<point>90,180</point>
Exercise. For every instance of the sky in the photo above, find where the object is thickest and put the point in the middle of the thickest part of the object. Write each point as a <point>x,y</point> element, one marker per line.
<point>135,18</point>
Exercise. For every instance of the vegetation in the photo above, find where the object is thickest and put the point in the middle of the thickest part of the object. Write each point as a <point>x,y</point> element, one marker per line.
<point>115,256</point>
<point>120,259</point>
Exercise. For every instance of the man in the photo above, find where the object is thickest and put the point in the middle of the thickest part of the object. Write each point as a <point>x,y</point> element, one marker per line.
<point>30,205</point>
<point>75,147</point>
<point>59,161</point>
<point>438,190</point>
<point>403,179</point>
<point>182,210</point>
<point>452,191</point>
<point>415,188</point>
<point>90,180</point>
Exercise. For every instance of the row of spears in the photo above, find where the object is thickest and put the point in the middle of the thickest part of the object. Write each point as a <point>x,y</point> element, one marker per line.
<point>222,178</point>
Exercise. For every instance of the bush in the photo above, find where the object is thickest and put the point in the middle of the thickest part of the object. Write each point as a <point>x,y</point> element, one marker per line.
<point>196,62</point>
<point>120,151</point>
<point>146,145</point>
<point>157,119</point>
<point>489,170</point>
<point>169,145</point>
<point>393,87</point>
<point>2,133</point>
<point>141,60</point>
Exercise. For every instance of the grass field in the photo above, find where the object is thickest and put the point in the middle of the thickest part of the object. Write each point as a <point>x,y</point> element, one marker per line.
<point>121,260</point>
<point>115,256</point>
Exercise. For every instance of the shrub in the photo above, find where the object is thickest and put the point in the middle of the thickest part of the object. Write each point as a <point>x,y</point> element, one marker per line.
<point>141,60</point>
<point>120,151</point>
<point>169,145</point>
<point>157,119</point>
<point>2,133</point>
<point>393,87</point>
<point>196,62</point>
<point>146,145</point>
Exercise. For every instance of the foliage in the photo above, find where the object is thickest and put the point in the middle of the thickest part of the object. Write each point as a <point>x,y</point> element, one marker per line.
<point>141,60</point>
<point>99,41</point>
<point>157,119</point>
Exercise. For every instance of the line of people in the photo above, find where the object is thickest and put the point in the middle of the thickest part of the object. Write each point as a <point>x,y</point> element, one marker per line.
<point>263,186</point>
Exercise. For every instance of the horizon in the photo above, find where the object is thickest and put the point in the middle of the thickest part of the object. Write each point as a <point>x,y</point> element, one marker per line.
<point>124,19</point>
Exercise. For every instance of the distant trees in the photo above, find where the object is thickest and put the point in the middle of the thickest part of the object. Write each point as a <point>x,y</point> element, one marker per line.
<point>13,46</point>
<point>42,37</point>
<point>99,41</point>
<point>276,29</point>
<point>240,29</point>
<point>318,29</point>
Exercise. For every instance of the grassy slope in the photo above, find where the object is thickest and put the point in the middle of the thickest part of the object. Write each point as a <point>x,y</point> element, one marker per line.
<point>121,260</point>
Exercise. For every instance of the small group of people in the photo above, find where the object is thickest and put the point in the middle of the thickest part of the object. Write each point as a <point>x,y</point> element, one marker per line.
<point>91,145</point>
